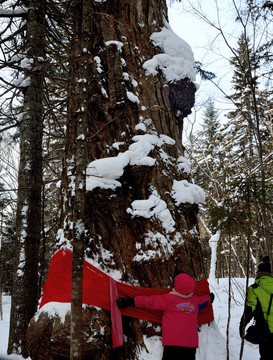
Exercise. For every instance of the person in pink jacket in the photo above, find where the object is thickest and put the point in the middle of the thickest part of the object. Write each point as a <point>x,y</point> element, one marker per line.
<point>179,323</point>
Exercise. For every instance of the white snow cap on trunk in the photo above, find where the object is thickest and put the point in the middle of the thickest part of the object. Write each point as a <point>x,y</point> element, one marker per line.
<point>153,207</point>
<point>104,172</point>
<point>185,192</point>
<point>177,60</point>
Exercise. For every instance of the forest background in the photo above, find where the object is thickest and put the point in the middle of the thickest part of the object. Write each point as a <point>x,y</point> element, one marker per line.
<point>230,152</point>
<point>214,138</point>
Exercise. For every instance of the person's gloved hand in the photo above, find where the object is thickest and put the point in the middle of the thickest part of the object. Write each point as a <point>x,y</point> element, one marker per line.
<point>124,302</point>
<point>245,319</point>
<point>211,295</point>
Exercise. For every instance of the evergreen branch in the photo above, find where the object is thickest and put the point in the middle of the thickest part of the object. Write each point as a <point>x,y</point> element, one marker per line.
<point>205,75</point>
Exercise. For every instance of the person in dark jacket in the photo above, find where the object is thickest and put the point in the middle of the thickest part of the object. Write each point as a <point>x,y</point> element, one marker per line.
<point>259,305</point>
<point>180,309</point>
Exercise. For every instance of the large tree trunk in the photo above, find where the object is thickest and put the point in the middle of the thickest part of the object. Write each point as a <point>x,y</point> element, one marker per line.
<point>143,243</point>
<point>120,45</point>
<point>28,217</point>
<point>151,249</point>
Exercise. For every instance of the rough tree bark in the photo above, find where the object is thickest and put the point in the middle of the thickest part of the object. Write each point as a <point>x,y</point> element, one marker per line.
<point>122,101</point>
<point>76,160</point>
<point>28,216</point>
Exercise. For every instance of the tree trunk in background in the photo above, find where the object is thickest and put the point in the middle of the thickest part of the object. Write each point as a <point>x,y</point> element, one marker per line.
<point>76,163</point>
<point>143,250</point>
<point>28,218</point>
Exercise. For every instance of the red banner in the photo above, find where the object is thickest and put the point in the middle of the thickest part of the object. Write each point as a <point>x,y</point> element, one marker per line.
<point>96,289</point>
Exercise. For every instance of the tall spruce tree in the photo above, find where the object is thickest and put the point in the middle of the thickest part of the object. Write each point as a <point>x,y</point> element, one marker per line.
<point>244,137</point>
<point>28,218</point>
<point>208,170</point>
<point>206,146</point>
<point>33,47</point>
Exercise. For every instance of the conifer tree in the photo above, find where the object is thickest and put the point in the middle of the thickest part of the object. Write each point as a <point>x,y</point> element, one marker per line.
<point>244,138</point>
<point>29,44</point>
<point>207,145</point>
<point>208,170</point>
<point>28,218</point>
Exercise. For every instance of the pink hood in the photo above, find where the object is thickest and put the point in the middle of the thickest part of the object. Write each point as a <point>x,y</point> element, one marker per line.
<point>184,284</point>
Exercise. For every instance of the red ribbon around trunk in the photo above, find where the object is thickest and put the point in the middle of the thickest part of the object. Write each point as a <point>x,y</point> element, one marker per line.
<point>99,289</point>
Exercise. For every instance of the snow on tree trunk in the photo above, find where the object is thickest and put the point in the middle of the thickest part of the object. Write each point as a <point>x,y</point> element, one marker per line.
<point>213,242</point>
<point>140,206</point>
<point>140,216</point>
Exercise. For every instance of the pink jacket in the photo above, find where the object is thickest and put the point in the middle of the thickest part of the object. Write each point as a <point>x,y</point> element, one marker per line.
<point>179,323</point>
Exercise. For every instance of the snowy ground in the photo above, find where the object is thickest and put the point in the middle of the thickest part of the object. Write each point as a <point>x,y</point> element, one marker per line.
<point>212,338</point>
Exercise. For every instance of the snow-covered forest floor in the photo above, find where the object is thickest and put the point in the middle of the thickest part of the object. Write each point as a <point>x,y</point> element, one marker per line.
<point>212,338</point>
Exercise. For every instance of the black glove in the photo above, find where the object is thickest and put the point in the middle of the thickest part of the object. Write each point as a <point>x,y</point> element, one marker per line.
<point>124,302</point>
<point>245,319</point>
<point>211,295</point>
